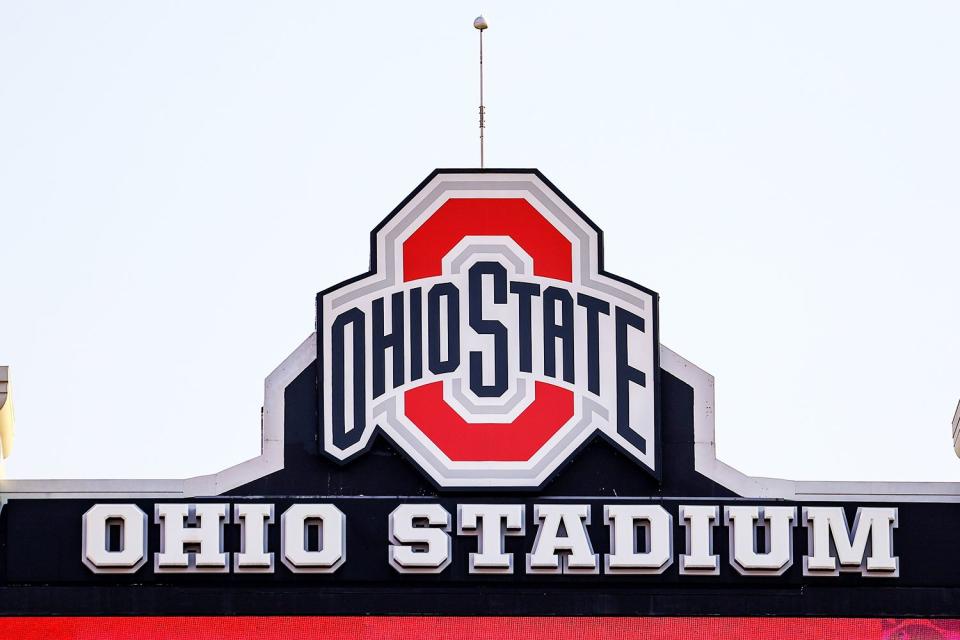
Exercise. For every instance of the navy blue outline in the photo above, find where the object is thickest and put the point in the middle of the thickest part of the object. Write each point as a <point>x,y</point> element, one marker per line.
<point>379,432</point>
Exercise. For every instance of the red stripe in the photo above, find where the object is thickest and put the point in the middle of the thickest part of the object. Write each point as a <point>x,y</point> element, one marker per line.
<point>473,628</point>
<point>551,408</point>
<point>423,252</point>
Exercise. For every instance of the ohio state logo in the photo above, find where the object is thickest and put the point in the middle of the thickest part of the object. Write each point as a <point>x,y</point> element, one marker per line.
<point>487,343</point>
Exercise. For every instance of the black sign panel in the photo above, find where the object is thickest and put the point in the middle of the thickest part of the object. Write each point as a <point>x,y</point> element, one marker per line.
<point>483,424</point>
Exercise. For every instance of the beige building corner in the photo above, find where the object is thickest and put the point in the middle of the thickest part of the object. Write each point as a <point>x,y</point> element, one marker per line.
<point>6,417</point>
<point>956,429</point>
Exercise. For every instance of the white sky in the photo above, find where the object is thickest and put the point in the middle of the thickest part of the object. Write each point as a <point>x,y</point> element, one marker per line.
<point>178,179</point>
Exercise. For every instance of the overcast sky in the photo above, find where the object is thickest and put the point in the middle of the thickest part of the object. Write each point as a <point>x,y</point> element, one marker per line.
<point>178,180</point>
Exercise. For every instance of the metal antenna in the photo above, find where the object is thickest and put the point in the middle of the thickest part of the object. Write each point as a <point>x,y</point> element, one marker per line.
<point>480,24</point>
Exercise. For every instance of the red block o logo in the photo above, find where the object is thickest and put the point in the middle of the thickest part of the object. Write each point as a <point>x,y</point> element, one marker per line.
<point>487,343</point>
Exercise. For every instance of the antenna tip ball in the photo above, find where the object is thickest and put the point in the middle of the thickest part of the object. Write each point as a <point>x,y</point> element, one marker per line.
<point>480,23</point>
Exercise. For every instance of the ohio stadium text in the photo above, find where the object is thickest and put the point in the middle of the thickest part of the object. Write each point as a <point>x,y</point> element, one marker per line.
<point>418,538</point>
